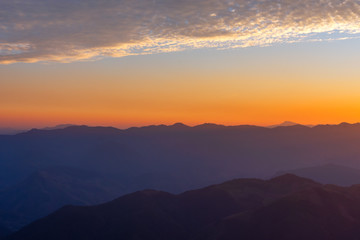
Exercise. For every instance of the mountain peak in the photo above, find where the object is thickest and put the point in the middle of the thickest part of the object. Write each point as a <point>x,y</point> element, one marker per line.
<point>284,124</point>
<point>287,123</point>
<point>345,124</point>
<point>329,173</point>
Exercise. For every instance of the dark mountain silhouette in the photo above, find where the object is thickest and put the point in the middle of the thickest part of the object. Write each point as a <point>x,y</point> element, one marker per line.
<point>172,158</point>
<point>328,174</point>
<point>320,213</point>
<point>151,214</point>
<point>285,207</point>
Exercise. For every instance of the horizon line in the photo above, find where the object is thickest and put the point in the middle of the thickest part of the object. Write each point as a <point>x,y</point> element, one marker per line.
<point>179,124</point>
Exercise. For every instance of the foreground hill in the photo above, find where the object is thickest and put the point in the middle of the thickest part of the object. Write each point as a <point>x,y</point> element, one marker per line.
<point>159,215</point>
<point>328,174</point>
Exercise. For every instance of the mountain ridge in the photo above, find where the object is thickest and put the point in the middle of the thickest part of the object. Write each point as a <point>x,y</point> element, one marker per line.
<point>226,211</point>
<point>171,158</point>
<point>328,174</point>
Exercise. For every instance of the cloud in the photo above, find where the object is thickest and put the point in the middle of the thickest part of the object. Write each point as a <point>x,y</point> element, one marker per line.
<point>71,30</point>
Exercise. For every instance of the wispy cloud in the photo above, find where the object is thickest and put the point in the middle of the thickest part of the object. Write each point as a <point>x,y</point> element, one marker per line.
<point>71,30</point>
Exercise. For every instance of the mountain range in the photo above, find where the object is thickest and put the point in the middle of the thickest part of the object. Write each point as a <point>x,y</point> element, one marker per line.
<point>43,170</point>
<point>14,131</point>
<point>285,207</point>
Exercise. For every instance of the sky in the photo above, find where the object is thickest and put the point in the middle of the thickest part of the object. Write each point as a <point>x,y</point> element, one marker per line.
<point>139,62</point>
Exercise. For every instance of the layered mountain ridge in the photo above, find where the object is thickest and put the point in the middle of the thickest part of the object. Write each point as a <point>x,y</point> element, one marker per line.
<point>172,158</point>
<point>285,207</point>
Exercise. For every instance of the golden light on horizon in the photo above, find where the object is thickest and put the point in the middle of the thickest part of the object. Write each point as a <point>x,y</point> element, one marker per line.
<point>304,71</point>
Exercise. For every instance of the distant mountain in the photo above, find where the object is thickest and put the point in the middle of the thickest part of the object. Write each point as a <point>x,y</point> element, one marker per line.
<point>10,131</point>
<point>150,214</point>
<point>288,124</point>
<point>49,189</point>
<point>13,131</point>
<point>328,174</point>
<point>61,126</point>
<point>284,124</point>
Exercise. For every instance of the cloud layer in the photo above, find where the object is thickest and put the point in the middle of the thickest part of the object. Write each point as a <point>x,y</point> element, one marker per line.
<point>71,30</point>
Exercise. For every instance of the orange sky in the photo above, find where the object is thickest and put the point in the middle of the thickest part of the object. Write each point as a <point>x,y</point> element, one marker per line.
<point>131,63</point>
<point>259,86</point>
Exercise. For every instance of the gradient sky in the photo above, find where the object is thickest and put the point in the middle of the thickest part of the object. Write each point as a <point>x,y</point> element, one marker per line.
<point>140,62</point>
